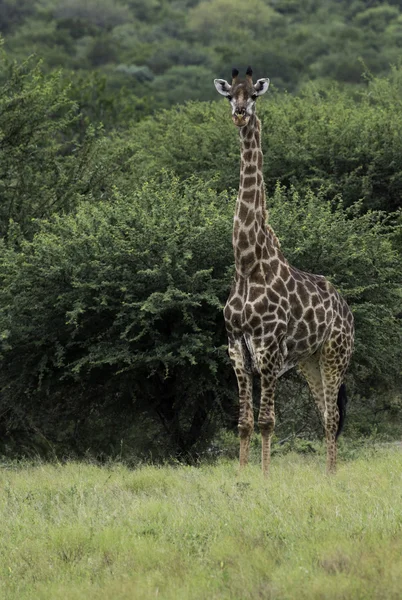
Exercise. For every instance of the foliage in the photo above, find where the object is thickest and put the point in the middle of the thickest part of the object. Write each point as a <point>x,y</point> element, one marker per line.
<point>115,252</point>
<point>325,140</point>
<point>291,42</point>
<point>116,311</point>
<point>50,159</point>
<point>131,289</point>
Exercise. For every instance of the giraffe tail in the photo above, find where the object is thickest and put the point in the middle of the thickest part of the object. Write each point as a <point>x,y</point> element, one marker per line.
<point>342,401</point>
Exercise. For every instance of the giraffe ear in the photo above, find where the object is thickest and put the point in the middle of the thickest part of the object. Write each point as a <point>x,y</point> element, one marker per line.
<point>261,86</point>
<point>223,87</point>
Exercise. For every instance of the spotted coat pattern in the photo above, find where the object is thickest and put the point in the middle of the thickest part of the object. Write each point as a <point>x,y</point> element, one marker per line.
<point>277,316</point>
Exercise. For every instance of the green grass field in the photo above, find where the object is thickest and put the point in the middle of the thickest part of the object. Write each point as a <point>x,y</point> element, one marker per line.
<point>80,531</point>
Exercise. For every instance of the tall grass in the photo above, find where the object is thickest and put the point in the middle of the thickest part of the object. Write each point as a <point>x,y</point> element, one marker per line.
<point>81,531</point>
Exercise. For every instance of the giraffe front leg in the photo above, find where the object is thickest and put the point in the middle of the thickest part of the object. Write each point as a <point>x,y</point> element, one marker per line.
<point>266,419</point>
<point>246,419</point>
<point>245,384</point>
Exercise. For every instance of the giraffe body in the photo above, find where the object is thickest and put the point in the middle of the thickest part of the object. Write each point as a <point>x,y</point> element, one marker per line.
<point>277,316</point>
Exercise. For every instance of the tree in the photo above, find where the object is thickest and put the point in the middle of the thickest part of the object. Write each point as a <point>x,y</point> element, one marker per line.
<point>49,157</point>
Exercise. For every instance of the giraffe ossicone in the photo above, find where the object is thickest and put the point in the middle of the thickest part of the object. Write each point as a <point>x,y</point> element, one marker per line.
<point>277,317</point>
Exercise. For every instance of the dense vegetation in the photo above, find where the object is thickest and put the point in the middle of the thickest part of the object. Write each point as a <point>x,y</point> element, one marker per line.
<point>115,220</point>
<point>160,52</point>
<point>77,531</point>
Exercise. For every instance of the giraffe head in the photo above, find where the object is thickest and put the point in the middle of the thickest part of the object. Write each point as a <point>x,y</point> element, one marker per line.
<point>242,95</point>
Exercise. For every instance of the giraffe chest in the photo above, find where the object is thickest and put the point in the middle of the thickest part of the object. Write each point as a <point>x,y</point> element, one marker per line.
<point>256,310</point>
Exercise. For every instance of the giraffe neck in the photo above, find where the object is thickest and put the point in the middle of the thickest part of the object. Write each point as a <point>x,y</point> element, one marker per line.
<point>253,239</point>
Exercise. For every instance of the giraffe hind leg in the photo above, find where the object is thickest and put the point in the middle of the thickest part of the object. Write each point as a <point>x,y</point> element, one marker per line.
<point>310,368</point>
<point>332,379</point>
<point>330,397</point>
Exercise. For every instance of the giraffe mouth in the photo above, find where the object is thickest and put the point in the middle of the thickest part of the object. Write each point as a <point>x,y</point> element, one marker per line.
<point>240,120</point>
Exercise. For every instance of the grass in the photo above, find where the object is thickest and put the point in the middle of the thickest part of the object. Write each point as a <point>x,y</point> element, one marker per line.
<point>80,531</point>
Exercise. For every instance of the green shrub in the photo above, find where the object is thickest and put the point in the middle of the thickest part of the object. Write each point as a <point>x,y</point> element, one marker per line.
<point>111,318</point>
<point>325,140</point>
<point>50,158</point>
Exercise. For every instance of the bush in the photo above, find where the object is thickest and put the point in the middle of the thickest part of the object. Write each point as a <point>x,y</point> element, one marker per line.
<point>325,140</point>
<point>50,158</point>
<point>117,309</point>
<point>111,318</point>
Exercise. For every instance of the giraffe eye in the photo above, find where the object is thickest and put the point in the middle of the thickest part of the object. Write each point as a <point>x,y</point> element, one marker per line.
<point>254,97</point>
<point>229,98</point>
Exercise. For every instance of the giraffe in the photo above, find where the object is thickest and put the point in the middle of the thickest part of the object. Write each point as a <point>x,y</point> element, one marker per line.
<point>277,316</point>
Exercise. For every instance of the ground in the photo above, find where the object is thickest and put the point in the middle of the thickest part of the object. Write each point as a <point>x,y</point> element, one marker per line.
<point>82,531</point>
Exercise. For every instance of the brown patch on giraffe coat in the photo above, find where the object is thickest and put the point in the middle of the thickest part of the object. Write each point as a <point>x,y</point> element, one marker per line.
<point>265,254</point>
<point>281,313</point>
<point>249,181</point>
<point>241,283</point>
<point>279,287</point>
<point>261,238</point>
<point>227,311</point>
<point>236,303</point>
<point>295,306</point>
<point>291,285</point>
<point>250,169</point>
<point>249,220</point>
<point>269,277</point>
<point>261,306</point>
<point>302,293</point>
<point>301,345</point>
<point>297,276</point>
<point>301,331</point>
<point>310,287</point>
<point>248,195</point>
<point>309,316</point>
<point>274,264</point>
<point>320,314</point>
<point>272,296</point>
<point>244,212</point>
<point>242,241</point>
<point>284,273</point>
<point>248,155</point>
<point>258,277</point>
<point>315,300</point>
<point>312,339</point>
<point>255,321</point>
<point>255,292</point>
